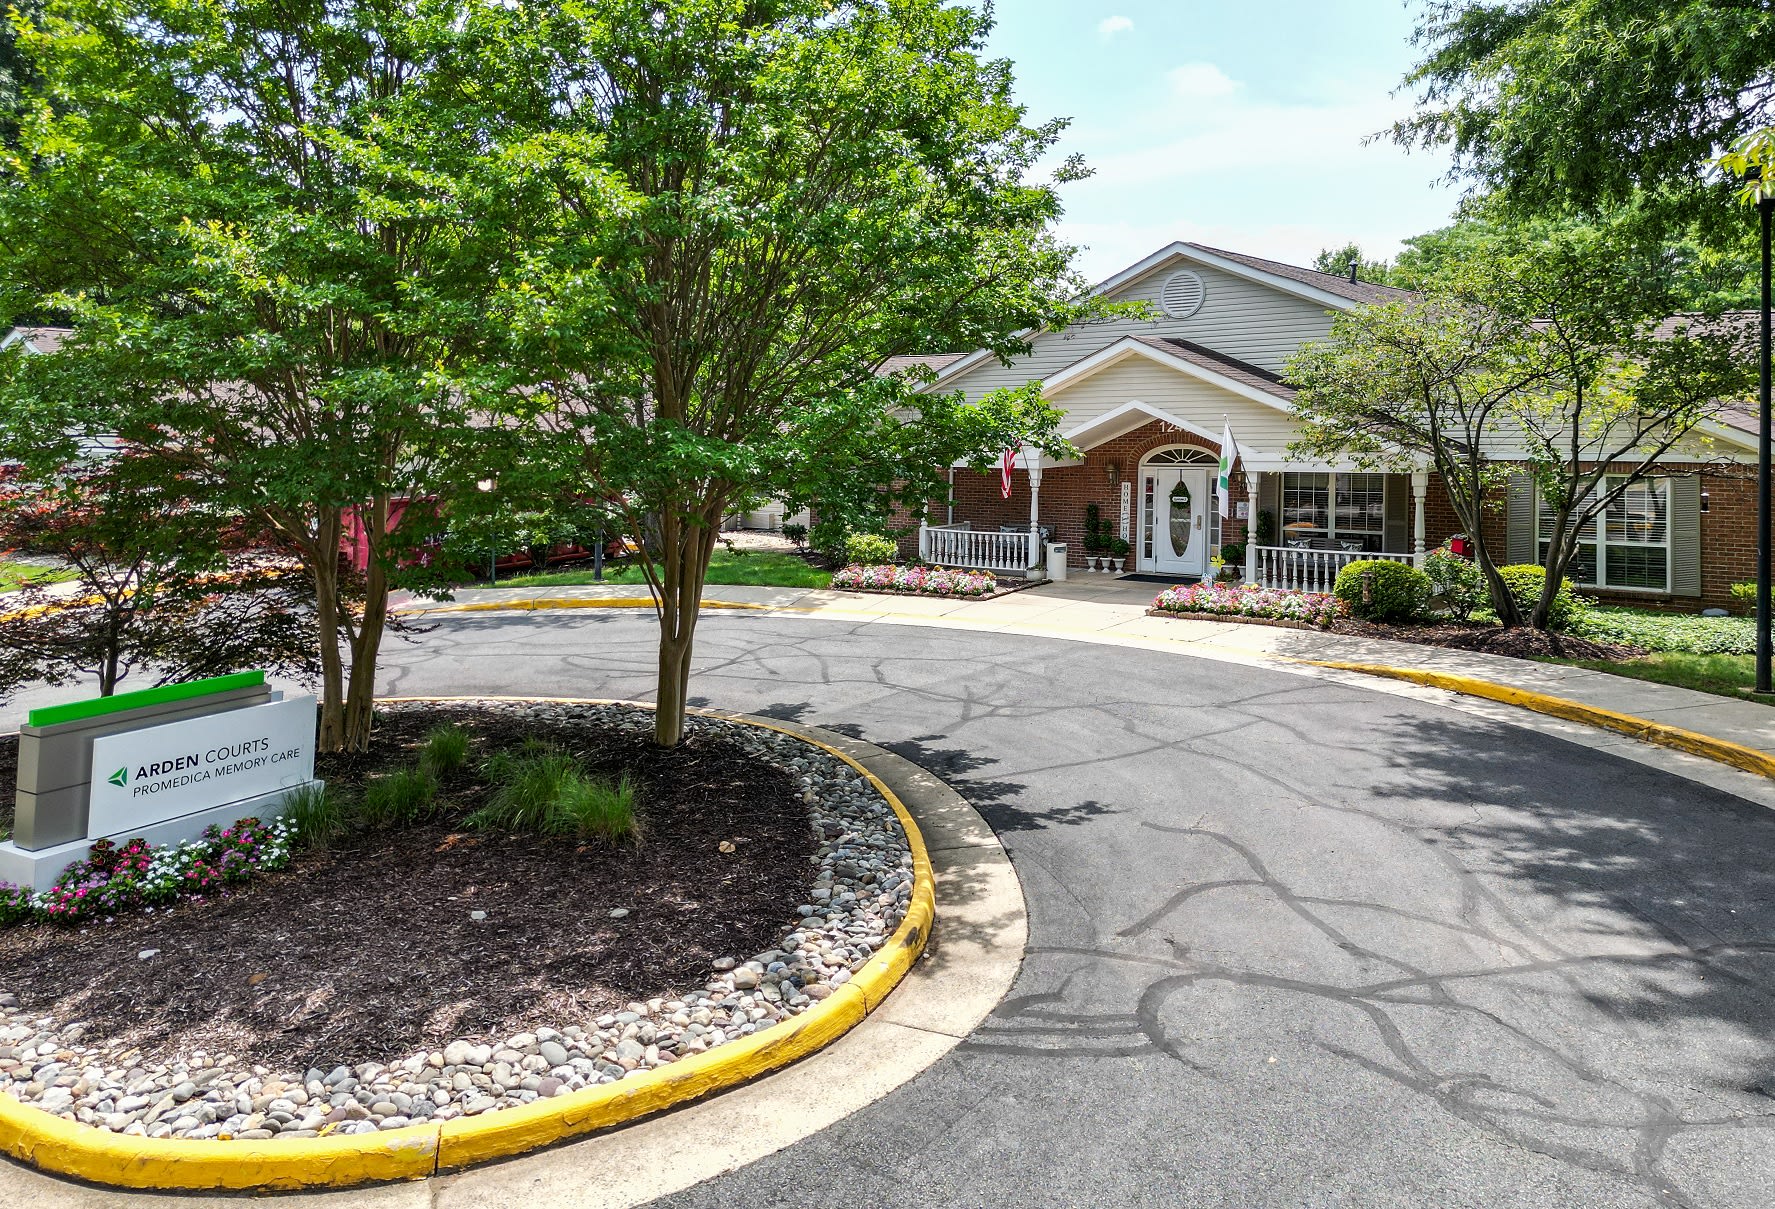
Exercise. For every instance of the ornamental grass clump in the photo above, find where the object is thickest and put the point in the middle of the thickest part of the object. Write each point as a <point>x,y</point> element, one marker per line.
<point>404,796</point>
<point>316,814</point>
<point>1249,600</point>
<point>545,792</point>
<point>445,753</point>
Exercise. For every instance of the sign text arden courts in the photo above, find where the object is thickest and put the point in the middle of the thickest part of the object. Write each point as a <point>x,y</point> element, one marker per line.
<point>161,763</point>
<point>145,776</point>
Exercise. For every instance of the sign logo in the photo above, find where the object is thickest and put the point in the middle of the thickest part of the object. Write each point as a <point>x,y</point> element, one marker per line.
<point>120,777</point>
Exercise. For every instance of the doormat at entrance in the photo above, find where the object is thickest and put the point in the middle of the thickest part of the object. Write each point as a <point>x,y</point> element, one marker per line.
<point>1144,578</point>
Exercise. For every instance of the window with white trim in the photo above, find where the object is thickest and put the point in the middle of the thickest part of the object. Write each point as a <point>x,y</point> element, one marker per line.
<point>1634,547</point>
<point>1335,511</point>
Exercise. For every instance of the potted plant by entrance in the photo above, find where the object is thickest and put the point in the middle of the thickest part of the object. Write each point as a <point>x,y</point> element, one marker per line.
<point>1096,535</point>
<point>1118,549</point>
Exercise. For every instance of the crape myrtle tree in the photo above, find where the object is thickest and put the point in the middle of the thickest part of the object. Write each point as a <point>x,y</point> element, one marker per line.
<point>267,226</point>
<point>1530,347</point>
<point>1428,378</point>
<point>805,187</point>
<point>1624,381</point>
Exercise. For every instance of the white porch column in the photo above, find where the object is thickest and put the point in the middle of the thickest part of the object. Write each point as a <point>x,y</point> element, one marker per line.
<point>1253,491</point>
<point>1420,486</point>
<point>924,540</point>
<point>1033,461</point>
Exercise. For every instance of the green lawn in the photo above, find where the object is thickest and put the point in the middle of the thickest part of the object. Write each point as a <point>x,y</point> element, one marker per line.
<point>15,575</point>
<point>1725,675</point>
<point>759,568</point>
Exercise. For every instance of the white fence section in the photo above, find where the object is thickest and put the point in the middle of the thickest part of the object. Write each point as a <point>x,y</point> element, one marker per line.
<point>1301,570</point>
<point>983,550</point>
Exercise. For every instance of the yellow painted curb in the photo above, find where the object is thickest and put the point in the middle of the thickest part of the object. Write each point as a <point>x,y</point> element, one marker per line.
<point>54,1144</point>
<point>1645,730</point>
<point>531,604</point>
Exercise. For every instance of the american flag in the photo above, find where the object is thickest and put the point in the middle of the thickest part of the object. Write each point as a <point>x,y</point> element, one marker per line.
<point>1005,465</point>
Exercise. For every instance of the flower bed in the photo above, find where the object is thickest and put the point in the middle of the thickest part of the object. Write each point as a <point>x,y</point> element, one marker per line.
<point>117,878</point>
<point>915,580</point>
<point>1250,601</point>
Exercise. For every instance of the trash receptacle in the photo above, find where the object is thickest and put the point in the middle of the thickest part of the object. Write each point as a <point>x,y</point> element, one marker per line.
<point>1056,560</point>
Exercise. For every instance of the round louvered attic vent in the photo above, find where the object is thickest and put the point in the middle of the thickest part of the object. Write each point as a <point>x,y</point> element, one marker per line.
<point>1182,295</point>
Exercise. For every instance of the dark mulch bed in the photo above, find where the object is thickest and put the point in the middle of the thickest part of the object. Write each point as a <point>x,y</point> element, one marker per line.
<point>1519,643</point>
<point>369,952</point>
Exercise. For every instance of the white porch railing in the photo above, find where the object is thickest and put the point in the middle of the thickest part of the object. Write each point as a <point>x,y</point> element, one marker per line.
<point>1297,569</point>
<point>983,550</point>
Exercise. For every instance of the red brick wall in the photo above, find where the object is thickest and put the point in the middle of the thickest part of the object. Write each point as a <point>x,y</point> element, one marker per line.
<point>1067,490</point>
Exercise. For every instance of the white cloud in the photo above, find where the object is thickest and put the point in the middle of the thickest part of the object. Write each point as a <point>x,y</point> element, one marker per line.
<point>1109,27</point>
<point>1200,81</point>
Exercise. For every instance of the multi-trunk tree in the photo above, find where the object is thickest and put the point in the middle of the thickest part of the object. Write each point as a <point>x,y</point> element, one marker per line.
<point>1529,350</point>
<point>263,221</point>
<point>805,187</point>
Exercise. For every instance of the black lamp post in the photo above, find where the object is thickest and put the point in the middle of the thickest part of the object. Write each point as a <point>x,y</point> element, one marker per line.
<point>1765,647</point>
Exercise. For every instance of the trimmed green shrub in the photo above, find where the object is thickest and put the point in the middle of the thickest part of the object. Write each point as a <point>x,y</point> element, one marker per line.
<point>870,548</point>
<point>796,533</point>
<point>316,814</point>
<point>1398,593</point>
<point>1744,597</point>
<point>1455,583</point>
<point>445,753</point>
<point>1525,580</point>
<point>401,797</point>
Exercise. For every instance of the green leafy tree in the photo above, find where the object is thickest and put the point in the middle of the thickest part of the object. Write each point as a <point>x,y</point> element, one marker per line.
<point>268,226</point>
<point>161,583</point>
<point>1420,380</point>
<point>1339,260</point>
<point>806,187</point>
<point>1530,346</point>
<point>1556,104</point>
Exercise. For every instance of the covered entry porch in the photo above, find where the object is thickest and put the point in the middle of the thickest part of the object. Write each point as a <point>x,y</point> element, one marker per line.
<point>1154,486</point>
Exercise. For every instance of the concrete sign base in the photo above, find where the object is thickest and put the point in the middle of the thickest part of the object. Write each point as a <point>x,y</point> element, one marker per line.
<point>39,868</point>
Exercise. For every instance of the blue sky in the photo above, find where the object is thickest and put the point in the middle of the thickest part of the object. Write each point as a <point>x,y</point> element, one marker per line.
<point>1236,123</point>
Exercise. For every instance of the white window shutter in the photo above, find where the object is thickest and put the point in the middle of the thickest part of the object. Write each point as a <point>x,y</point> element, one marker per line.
<point>1685,536</point>
<point>1520,543</point>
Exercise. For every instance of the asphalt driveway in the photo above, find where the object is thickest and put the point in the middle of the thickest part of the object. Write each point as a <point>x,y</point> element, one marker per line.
<point>1292,943</point>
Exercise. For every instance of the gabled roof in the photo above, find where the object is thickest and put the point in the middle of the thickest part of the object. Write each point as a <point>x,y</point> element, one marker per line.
<point>37,339</point>
<point>935,362</point>
<point>1328,289</point>
<point>1186,357</point>
<point>1331,283</point>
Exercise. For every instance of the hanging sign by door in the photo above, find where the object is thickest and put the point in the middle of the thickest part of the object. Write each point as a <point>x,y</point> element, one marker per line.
<point>1127,504</point>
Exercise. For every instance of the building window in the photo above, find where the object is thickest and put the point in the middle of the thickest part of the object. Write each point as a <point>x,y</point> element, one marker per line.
<point>1334,511</point>
<point>1631,546</point>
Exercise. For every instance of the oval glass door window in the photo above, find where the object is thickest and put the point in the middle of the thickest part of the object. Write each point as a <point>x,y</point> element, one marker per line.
<point>1180,517</point>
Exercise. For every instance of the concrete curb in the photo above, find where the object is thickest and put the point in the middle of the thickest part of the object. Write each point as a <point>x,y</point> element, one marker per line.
<point>1749,759</point>
<point>98,1156</point>
<point>532,604</point>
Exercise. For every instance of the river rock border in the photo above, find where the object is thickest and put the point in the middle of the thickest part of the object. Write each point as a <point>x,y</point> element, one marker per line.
<point>862,893</point>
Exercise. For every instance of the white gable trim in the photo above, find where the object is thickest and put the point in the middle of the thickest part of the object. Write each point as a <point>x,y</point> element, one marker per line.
<point>1171,252</point>
<point>1129,346</point>
<point>1132,415</point>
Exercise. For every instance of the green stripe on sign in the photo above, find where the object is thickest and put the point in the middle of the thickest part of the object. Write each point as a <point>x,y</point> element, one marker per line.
<point>76,711</point>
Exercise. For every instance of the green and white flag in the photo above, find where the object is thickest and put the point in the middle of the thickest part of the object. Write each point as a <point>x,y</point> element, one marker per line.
<point>1229,455</point>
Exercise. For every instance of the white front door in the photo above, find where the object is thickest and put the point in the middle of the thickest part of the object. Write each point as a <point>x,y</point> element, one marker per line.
<point>1174,520</point>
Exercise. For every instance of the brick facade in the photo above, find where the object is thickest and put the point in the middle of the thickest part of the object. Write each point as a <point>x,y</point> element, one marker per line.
<point>1067,490</point>
<point>1728,526</point>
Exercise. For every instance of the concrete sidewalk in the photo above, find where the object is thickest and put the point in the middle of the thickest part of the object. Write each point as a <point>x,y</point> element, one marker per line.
<point>1105,610</point>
